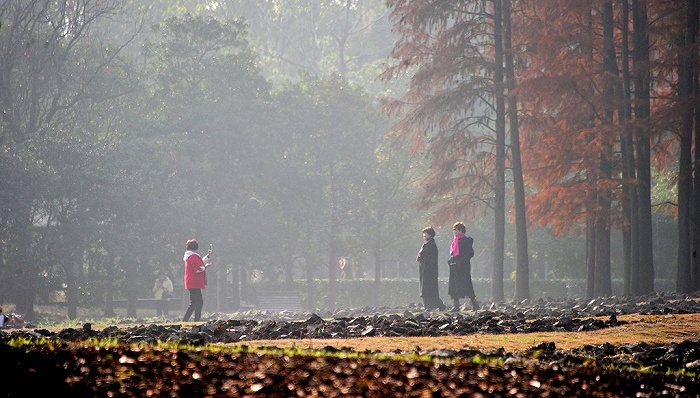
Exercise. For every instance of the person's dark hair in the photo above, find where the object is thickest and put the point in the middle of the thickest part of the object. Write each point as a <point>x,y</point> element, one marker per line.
<point>429,230</point>
<point>192,244</point>
<point>459,226</point>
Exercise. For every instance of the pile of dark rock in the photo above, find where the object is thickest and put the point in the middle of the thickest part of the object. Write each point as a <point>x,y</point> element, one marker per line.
<point>566,315</point>
<point>315,327</point>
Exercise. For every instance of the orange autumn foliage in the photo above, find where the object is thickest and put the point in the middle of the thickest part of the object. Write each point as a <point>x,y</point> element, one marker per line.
<point>566,128</point>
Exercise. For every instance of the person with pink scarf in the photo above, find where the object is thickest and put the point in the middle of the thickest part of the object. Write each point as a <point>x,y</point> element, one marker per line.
<point>195,278</point>
<point>460,283</point>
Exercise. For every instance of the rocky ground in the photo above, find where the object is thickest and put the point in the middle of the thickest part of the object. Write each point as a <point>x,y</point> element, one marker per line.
<point>66,364</point>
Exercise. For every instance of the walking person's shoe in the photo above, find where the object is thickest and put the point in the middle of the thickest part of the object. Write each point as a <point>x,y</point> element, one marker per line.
<point>475,305</point>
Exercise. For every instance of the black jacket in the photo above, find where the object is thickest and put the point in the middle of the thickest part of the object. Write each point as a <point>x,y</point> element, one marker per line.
<point>428,269</point>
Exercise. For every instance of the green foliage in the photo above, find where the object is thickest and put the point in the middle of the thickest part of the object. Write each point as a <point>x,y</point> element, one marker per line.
<point>664,191</point>
<point>193,350</point>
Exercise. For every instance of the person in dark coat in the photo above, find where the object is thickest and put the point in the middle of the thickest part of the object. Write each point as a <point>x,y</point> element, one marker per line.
<point>460,283</point>
<point>428,272</point>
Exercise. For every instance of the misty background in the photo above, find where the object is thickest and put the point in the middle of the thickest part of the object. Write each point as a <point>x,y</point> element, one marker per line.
<point>129,127</point>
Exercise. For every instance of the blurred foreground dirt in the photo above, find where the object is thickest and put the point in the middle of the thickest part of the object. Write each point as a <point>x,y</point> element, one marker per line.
<point>85,371</point>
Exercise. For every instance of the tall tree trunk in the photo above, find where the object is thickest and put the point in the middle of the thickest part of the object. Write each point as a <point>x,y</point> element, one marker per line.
<point>695,255</point>
<point>377,252</point>
<point>235,285</point>
<point>377,260</point>
<point>592,174</point>
<point>590,253</point>
<point>310,284</point>
<point>684,282</point>
<point>69,266</point>
<point>630,230</point>
<point>310,288</point>
<point>110,265</point>
<point>72,255</point>
<point>497,291</point>
<point>691,38</point>
<point>21,262</point>
<point>246,294</point>
<point>332,232</point>
<point>288,262</point>
<point>640,57</point>
<point>129,263</point>
<point>522,275</point>
<point>603,277</point>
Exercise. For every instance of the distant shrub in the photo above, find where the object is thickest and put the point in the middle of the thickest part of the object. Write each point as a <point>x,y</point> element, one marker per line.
<point>359,293</point>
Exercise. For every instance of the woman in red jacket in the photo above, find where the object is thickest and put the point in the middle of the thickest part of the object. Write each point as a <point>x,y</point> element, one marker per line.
<point>195,279</point>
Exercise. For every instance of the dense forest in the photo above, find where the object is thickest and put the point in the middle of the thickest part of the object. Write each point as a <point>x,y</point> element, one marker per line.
<point>300,135</point>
